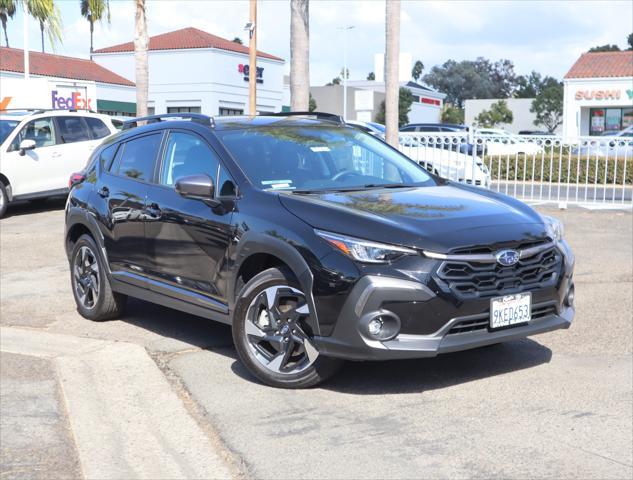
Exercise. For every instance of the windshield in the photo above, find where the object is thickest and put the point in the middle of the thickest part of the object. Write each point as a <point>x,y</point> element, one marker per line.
<point>300,158</point>
<point>6,127</point>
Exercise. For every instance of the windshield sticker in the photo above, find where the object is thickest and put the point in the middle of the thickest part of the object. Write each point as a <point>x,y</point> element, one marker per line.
<point>320,149</point>
<point>277,183</point>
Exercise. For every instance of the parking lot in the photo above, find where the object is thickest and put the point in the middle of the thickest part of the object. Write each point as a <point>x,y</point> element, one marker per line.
<point>557,405</point>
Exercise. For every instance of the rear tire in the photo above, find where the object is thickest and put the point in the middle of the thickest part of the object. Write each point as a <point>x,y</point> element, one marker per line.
<point>271,334</point>
<point>91,288</point>
<point>4,199</point>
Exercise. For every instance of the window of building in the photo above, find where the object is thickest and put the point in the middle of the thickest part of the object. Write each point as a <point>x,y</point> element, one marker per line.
<point>230,111</point>
<point>151,111</point>
<point>42,131</point>
<point>137,159</point>
<point>186,155</point>
<point>183,110</point>
<point>607,121</point>
<point>72,129</point>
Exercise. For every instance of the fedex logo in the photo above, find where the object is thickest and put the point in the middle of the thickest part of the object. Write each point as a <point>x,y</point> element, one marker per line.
<point>74,102</point>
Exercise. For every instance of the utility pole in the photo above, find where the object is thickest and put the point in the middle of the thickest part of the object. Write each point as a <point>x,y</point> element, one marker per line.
<point>252,60</point>
<point>345,29</point>
<point>25,28</point>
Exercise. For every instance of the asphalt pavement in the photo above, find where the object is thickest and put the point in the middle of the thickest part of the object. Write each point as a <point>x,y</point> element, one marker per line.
<point>558,405</point>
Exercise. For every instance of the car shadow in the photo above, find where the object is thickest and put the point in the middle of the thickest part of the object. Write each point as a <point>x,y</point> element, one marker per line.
<point>29,207</point>
<point>363,378</point>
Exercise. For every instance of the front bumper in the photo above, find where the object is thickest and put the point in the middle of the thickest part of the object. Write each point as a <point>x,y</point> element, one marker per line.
<point>370,294</point>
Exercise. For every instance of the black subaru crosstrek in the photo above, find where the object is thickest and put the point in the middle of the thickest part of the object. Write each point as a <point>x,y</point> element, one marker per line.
<point>315,241</point>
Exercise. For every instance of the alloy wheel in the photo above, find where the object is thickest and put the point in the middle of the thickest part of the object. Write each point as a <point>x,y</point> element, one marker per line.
<point>86,277</point>
<point>276,332</point>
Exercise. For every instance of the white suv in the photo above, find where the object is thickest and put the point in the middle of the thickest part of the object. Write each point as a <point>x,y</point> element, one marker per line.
<point>40,149</point>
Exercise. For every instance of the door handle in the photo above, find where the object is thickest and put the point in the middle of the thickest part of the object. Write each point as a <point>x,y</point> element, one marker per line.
<point>104,192</point>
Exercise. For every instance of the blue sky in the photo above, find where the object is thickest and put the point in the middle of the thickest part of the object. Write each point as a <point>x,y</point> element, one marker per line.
<point>546,36</point>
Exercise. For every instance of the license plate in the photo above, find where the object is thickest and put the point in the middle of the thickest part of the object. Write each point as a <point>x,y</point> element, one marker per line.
<point>510,310</point>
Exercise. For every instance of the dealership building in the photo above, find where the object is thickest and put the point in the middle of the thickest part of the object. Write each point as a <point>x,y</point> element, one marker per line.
<point>60,82</point>
<point>598,96</point>
<point>194,71</point>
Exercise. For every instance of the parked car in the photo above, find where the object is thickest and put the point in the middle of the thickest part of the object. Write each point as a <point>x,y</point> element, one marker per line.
<point>434,127</point>
<point>499,142</point>
<point>619,144</point>
<point>446,163</point>
<point>315,241</point>
<point>39,149</point>
<point>536,132</point>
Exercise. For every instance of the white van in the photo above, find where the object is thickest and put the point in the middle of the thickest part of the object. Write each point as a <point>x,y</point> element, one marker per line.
<point>40,149</point>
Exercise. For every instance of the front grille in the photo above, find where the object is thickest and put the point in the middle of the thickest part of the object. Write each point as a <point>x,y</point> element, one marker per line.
<point>481,322</point>
<point>468,279</point>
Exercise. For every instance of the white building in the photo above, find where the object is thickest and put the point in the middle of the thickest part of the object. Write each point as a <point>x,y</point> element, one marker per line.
<point>194,71</point>
<point>599,94</point>
<point>59,82</point>
<point>522,117</point>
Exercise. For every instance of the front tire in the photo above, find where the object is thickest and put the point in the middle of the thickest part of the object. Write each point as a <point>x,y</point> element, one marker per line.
<point>272,336</point>
<point>91,288</point>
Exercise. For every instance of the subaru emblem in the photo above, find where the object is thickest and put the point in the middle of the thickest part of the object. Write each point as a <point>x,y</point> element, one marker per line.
<point>507,258</point>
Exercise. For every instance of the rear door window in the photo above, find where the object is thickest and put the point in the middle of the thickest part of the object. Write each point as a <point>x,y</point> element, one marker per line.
<point>72,129</point>
<point>98,129</point>
<point>138,157</point>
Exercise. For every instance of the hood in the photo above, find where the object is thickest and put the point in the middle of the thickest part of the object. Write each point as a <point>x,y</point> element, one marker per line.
<point>437,218</point>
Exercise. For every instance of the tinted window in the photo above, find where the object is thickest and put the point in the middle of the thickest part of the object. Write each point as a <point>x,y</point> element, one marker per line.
<point>407,129</point>
<point>72,129</point>
<point>42,131</point>
<point>97,127</point>
<point>107,156</point>
<point>137,160</point>
<point>186,155</point>
<point>425,128</point>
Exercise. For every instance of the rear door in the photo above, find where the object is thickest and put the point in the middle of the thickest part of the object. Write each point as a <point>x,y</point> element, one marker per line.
<point>75,147</point>
<point>187,238</point>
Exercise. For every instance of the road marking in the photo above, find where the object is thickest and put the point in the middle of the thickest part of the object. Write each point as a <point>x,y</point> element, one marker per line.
<point>126,419</point>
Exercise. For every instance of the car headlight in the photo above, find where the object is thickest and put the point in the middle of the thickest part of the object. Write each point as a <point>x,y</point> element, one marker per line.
<point>554,227</point>
<point>364,250</point>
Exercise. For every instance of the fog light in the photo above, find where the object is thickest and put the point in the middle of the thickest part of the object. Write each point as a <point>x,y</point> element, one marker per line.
<point>375,326</point>
<point>569,299</point>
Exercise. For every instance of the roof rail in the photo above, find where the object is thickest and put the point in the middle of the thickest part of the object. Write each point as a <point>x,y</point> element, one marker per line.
<point>320,115</point>
<point>194,117</point>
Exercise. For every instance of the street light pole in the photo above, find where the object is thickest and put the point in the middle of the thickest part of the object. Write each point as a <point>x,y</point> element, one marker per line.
<point>345,29</point>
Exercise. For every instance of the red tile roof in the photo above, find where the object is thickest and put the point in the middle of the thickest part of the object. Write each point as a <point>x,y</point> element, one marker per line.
<point>184,39</point>
<point>602,64</point>
<point>48,65</point>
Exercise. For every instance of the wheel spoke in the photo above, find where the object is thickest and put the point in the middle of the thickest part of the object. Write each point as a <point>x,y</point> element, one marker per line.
<point>253,330</point>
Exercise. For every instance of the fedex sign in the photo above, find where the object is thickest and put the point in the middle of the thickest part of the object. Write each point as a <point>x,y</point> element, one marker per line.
<point>74,102</point>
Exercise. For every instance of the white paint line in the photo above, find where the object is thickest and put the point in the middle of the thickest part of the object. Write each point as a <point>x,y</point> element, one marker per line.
<point>126,419</point>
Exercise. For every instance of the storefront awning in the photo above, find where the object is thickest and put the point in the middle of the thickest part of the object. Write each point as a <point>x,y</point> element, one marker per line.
<point>116,106</point>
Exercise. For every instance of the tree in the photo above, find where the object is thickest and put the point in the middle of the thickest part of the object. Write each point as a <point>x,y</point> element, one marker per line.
<point>548,106</point>
<point>299,55</point>
<point>528,86</point>
<point>392,59</point>
<point>605,48</point>
<point>629,40</point>
<point>7,11</point>
<point>416,72</point>
<point>405,100</point>
<point>499,113</point>
<point>312,104</point>
<point>48,16</point>
<point>237,40</point>
<point>371,76</point>
<point>334,81</point>
<point>141,44</point>
<point>473,79</point>
<point>94,11</point>
<point>452,114</point>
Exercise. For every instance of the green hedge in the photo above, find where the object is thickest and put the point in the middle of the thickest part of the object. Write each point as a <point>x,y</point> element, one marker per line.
<point>553,163</point>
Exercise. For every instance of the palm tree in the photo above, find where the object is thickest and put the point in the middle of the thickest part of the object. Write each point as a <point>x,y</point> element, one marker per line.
<point>94,11</point>
<point>299,55</point>
<point>49,18</point>
<point>392,54</point>
<point>141,44</point>
<point>7,10</point>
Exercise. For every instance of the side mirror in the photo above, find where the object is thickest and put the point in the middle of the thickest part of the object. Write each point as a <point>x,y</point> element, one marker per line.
<point>26,144</point>
<point>200,187</point>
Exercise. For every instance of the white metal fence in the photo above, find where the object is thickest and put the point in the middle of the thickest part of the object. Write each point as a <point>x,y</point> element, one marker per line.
<point>535,168</point>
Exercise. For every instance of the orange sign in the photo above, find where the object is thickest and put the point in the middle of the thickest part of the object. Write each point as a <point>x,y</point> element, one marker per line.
<point>5,103</point>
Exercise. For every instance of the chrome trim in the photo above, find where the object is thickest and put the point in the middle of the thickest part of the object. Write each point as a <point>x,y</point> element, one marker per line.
<point>488,257</point>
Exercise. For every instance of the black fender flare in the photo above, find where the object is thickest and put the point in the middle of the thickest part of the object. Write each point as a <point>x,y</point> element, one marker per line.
<point>77,216</point>
<point>253,243</point>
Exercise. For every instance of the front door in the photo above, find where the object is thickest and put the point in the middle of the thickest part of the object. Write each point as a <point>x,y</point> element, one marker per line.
<point>187,238</point>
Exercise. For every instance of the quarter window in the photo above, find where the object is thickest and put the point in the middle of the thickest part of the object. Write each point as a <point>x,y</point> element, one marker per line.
<point>42,131</point>
<point>186,155</point>
<point>97,128</point>
<point>72,129</point>
<point>139,155</point>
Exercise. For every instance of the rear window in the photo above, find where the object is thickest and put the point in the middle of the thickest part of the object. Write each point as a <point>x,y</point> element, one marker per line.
<point>97,127</point>
<point>72,129</point>
<point>138,157</point>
